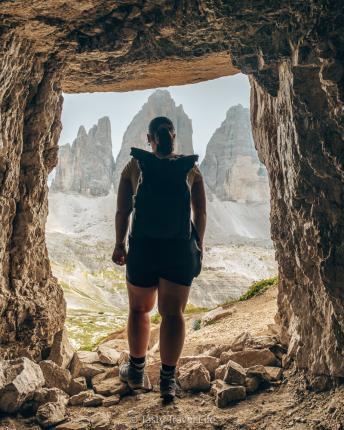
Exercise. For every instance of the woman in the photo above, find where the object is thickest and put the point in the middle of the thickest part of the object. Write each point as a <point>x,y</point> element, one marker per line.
<point>159,189</point>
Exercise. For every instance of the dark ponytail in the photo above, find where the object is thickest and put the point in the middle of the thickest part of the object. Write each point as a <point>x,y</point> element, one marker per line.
<point>162,129</point>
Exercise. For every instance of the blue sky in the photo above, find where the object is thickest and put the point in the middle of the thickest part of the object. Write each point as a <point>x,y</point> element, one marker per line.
<point>206,103</point>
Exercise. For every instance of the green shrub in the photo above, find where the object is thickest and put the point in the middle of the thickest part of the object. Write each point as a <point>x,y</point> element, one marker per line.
<point>156,318</point>
<point>196,325</point>
<point>258,288</point>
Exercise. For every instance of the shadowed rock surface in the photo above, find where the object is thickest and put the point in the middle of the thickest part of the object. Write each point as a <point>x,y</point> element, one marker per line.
<point>293,52</point>
<point>86,166</point>
<point>231,167</point>
<point>160,103</point>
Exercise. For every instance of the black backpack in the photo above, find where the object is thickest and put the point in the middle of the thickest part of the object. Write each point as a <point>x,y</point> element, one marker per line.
<point>162,203</point>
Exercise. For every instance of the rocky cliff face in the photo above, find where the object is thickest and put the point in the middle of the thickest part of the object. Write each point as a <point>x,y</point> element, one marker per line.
<point>86,166</point>
<point>293,53</point>
<point>231,168</point>
<point>160,103</point>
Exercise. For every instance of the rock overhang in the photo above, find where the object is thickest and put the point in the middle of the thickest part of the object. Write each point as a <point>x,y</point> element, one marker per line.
<point>124,45</point>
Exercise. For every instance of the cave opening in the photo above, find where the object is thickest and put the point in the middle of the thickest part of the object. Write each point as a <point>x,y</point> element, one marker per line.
<point>212,119</point>
<point>293,56</point>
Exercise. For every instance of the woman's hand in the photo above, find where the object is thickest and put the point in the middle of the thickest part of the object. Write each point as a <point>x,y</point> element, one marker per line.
<point>119,255</point>
<point>200,246</point>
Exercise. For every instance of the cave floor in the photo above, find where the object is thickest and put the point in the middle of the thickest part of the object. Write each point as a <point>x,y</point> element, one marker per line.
<point>289,405</point>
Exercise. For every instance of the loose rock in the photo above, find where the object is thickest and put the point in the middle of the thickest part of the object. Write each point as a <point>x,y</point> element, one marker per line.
<point>94,400</point>
<point>55,376</point>
<point>19,379</point>
<point>226,394</point>
<point>241,341</point>
<point>220,371</point>
<point>252,384</point>
<point>234,373</point>
<point>108,355</point>
<point>82,424</point>
<point>86,363</point>
<point>109,386</point>
<point>274,373</point>
<point>101,421</point>
<point>251,357</point>
<point>112,400</point>
<point>77,385</point>
<point>51,414</point>
<point>258,372</point>
<point>61,351</point>
<point>209,362</point>
<point>79,399</point>
<point>194,376</point>
<point>217,314</point>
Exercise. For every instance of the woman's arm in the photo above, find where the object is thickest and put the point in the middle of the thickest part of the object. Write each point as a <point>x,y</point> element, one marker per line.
<point>199,210</point>
<point>124,208</point>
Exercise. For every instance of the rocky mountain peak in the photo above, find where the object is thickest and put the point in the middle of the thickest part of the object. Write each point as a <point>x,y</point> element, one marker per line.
<point>159,103</point>
<point>86,166</point>
<point>231,167</point>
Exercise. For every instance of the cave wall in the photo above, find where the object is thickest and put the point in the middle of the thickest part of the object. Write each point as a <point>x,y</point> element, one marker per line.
<point>32,307</point>
<point>294,56</point>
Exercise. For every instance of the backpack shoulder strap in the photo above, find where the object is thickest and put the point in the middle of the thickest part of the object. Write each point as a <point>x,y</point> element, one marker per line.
<point>182,162</point>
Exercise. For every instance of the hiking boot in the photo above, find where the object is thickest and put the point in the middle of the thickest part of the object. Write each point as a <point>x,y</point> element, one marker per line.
<point>168,386</point>
<point>132,375</point>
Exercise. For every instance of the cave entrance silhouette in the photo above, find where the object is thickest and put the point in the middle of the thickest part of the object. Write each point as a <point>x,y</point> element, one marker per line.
<point>293,57</point>
<point>80,226</point>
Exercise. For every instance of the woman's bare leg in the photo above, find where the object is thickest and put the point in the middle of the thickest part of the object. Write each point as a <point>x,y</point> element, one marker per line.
<point>141,302</point>
<point>172,299</point>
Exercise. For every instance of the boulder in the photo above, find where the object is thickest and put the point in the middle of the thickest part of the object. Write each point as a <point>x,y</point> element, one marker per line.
<point>251,357</point>
<point>61,351</point>
<point>234,373</point>
<point>194,376</point>
<point>55,376</point>
<point>19,379</point>
<point>77,385</point>
<point>216,314</point>
<point>86,363</point>
<point>50,414</point>
<point>209,362</point>
<point>107,355</point>
<point>225,393</point>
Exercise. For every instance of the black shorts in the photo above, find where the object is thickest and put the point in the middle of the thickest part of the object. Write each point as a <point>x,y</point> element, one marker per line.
<point>177,260</point>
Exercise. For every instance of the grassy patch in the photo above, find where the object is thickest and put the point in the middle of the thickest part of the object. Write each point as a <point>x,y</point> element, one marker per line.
<point>258,288</point>
<point>86,329</point>
<point>192,309</point>
<point>156,318</point>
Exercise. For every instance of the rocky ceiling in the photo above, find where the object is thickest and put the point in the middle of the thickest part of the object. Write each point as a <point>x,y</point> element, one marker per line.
<point>293,52</point>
